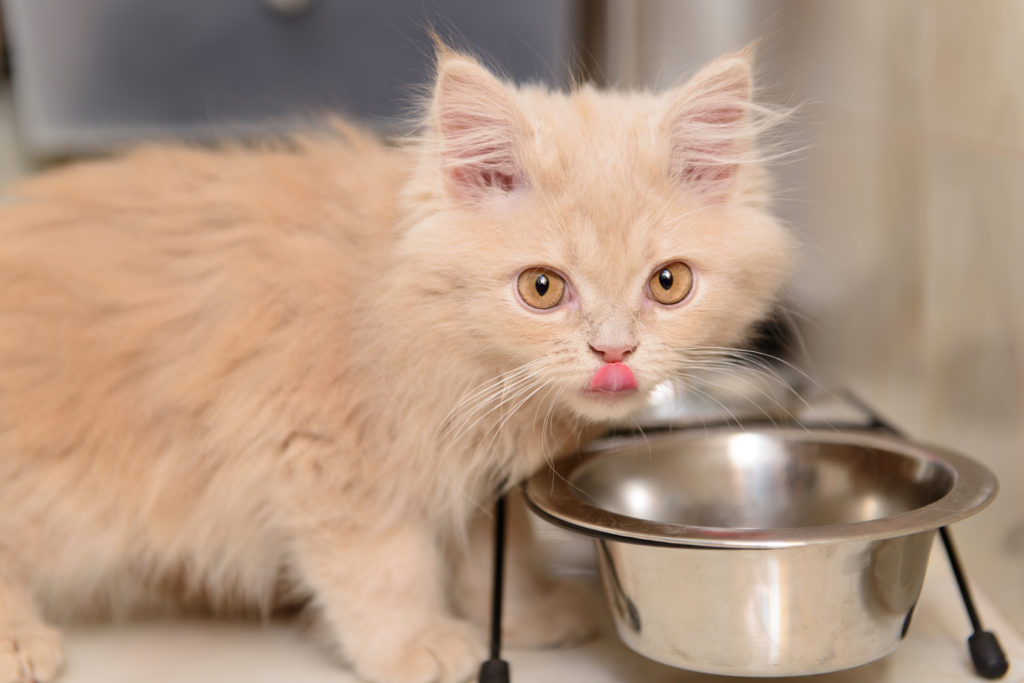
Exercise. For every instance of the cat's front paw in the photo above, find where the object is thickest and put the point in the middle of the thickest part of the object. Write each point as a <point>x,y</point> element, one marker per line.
<point>445,650</point>
<point>561,616</point>
<point>32,656</point>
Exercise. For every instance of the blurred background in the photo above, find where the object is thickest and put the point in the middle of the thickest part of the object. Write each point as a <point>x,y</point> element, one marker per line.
<point>906,187</point>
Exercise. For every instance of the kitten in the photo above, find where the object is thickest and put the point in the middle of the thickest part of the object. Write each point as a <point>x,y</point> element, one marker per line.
<point>243,378</point>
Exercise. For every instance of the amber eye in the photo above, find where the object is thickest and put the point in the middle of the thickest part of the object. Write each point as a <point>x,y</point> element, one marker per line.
<point>541,288</point>
<point>671,283</point>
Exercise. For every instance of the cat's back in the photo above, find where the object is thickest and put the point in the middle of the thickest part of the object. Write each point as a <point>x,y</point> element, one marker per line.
<point>140,291</point>
<point>339,188</point>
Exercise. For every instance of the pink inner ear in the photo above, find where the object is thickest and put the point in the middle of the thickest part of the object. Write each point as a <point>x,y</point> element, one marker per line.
<point>477,138</point>
<point>706,148</point>
<point>478,156</point>
<point>486,168</point>
<point>471,179</point>
<point>710,128</point>
<point>498,180</point>
<point>711,175</point>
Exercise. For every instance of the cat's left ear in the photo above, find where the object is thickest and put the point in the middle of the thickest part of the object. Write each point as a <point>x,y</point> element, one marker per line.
<point>708,125</point>
<point>477,122</point>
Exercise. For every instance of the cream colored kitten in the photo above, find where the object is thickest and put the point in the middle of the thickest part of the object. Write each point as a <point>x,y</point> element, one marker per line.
<point>244,378</point>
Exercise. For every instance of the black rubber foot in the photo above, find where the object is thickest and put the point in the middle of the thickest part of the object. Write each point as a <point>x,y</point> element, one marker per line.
<point>494,671</point>
<point>988,657</point>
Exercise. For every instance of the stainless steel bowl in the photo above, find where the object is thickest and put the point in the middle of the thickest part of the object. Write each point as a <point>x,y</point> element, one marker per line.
<point>761,553</point>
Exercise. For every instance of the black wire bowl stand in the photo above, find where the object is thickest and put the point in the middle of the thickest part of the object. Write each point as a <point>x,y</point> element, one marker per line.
<point>986,653</point>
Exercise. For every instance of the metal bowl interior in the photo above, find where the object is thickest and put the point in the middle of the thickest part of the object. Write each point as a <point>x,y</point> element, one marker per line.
<point>763,488</point>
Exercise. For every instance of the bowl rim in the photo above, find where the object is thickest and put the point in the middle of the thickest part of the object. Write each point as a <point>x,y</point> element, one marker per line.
<point>549,494</point>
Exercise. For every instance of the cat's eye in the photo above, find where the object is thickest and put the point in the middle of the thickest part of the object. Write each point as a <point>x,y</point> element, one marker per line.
<point>541,288</point>
<point>671,283</point>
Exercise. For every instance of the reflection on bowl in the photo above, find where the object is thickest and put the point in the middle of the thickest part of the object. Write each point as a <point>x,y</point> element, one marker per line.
<point>755,481</point>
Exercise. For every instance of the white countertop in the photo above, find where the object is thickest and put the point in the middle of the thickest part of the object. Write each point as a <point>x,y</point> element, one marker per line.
<point>228,652</point>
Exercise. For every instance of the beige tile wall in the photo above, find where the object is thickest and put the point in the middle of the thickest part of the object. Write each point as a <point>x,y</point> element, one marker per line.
<point>910,202</point>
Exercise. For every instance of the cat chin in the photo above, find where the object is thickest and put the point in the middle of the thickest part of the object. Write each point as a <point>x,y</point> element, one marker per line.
<point>602,406</point>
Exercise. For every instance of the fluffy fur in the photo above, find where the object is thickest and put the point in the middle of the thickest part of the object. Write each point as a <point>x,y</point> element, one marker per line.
<point>242,378</point>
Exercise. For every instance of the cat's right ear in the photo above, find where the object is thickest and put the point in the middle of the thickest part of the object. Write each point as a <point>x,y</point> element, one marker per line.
<point>477,123</point>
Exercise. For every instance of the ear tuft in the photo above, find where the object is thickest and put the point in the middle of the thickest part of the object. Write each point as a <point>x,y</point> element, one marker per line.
<point>477,122</point>
<point>709,128</point>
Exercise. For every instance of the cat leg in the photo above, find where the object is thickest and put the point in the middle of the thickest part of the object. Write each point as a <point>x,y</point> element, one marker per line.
<point>382,596</point>
<point>538,611</point>
<point>30,650</point>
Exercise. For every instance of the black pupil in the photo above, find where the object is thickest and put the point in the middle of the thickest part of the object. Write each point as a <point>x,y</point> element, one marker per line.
<point>665,279</point>
<point>542,284</point>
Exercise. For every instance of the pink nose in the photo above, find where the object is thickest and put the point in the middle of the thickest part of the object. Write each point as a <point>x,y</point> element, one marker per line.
<point>612,354</point>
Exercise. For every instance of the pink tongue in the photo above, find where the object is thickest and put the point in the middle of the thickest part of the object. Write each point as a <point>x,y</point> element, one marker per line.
<point>613,377</point>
